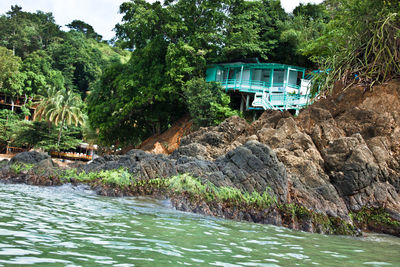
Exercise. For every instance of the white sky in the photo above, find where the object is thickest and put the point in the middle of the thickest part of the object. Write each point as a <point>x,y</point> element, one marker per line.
<point>101,14</point>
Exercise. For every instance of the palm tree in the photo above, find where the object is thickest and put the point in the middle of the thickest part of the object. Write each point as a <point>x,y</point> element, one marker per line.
<point>60,106</point>
<point>43,103</point>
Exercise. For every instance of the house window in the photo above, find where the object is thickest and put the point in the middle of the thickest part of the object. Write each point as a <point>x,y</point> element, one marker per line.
<point>256,75</point>
<point>220,74</point>
<point>246,75</point>
<point>279,77</point>
<point>293,77</point>
<point>265,75</point>
<point>232,73</point>
<point>225,74</point>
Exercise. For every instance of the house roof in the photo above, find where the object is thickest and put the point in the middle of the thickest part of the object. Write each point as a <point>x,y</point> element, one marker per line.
<point>257,66</point>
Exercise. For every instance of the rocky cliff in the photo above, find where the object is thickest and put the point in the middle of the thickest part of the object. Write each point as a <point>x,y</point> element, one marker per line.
<point>340,155</point>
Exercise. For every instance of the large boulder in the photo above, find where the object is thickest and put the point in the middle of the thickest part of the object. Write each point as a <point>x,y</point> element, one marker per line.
<point>249,167</point>
<point>209,143</point>
<point>31,157</point>
<point>254,167</point>
<point>196,167</point>
<point>195,150</point>
<point>46,168</point>
<point>351,165</point>
<point>142,164</point>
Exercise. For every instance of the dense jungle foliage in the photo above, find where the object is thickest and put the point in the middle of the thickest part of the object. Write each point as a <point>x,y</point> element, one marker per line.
<point>122,91</point>
<point>51,70</point>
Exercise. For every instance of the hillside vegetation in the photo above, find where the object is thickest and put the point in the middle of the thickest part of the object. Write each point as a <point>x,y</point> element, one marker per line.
<point>151,74</point>
<point>43,67</point>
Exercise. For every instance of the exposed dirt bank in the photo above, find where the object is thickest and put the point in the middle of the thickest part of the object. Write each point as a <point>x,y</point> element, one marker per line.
<point>168,141</point>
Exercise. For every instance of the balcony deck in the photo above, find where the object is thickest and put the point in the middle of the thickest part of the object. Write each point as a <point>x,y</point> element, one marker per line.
<point>274,86</point>
<point>277,96</point>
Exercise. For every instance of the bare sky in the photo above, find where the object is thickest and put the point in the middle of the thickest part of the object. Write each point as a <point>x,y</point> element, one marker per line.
<point>101,14</point>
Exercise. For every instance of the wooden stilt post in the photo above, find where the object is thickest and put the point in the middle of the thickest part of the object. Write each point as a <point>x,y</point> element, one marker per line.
<point>241,104</point>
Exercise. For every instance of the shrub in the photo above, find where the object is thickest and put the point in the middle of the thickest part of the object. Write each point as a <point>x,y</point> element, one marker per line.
<point>186,183</point>
<point>20,167</point>
<point>120,178</point>
<point>207,102</point>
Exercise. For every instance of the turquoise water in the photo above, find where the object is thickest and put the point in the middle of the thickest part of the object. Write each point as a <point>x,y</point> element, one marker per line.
<point>67,226</point>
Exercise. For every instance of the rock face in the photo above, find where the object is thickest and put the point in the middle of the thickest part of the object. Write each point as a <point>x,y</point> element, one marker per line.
<point>252,166</point>
<point>357,135</point>
<point>339,155</point>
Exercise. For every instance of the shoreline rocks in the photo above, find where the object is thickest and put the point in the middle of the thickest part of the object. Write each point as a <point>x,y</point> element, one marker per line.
<point>340,156</point>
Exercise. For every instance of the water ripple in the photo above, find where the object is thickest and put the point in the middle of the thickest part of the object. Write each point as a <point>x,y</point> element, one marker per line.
<point>71,226</point>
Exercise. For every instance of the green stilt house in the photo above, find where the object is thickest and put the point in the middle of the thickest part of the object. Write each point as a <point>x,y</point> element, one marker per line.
<point>265,85</point>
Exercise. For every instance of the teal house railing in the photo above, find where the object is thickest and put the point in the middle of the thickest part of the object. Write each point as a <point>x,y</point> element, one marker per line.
<point>272,86</point>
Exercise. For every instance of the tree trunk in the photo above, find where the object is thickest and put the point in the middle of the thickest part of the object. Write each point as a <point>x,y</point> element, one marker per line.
<point>242,104</point>
<point>13,48</point>
<point>59,132</point>
<point>158,127</point>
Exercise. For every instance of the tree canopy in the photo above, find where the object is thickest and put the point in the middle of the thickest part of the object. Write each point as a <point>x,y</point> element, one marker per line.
<point>52,57</point>
<point>84,28</point>
<point>9,65</point>
<point>35,55</point>
<point>172,44</point>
